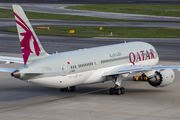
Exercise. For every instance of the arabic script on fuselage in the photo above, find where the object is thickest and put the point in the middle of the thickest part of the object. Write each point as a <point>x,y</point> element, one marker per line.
<point>115,54</point>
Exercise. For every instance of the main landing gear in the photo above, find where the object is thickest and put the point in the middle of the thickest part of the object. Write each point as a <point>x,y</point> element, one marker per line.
<point>116,91</point>
<point>117,79</point>
<point>68,89</point>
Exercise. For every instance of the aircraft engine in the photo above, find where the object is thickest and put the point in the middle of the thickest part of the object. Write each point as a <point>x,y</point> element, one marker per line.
<point>162,78</point>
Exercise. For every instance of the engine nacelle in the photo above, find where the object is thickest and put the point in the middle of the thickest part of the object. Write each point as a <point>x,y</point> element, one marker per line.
<point>162,78</point>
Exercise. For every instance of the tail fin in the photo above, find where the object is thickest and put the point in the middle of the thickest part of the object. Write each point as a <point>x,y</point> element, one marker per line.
<point>32,49</point>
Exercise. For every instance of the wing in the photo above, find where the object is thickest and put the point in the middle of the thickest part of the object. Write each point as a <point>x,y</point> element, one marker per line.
<point>133,68</point>
<point>11,59</point>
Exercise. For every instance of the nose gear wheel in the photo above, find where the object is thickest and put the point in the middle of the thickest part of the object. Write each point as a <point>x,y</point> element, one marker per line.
<point>68,89</point>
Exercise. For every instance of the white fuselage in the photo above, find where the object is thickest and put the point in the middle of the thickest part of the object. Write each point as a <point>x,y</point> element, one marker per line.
<point>88,65</point>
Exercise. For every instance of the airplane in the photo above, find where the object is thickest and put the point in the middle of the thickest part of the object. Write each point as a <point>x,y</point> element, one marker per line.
<point>66,70</point>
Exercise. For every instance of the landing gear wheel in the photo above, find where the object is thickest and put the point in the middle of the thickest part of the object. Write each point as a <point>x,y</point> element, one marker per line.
<point>122,90</point>
<point>118,91</point>
<point>63,89</point>
<point>73,88</point>
<point>111,91</point>
<point>117,79</point>
<point>68,89</point>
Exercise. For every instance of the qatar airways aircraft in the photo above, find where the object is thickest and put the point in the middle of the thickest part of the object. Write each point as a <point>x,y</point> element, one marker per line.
<point>95,65</point>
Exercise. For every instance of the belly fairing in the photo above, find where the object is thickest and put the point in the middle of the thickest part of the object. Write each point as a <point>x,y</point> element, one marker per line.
<point>63,81</point>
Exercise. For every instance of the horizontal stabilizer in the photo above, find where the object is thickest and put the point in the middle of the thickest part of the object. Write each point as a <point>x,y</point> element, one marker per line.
<point>11,59</point>
<point>7,69</point>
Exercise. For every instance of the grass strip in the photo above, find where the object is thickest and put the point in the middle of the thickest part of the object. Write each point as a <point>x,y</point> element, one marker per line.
<point>116,31</point>
<point>7,13</point>
<point>158,10</point>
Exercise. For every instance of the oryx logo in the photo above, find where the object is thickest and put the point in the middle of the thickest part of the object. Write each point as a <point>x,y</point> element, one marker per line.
<point>28,38</point>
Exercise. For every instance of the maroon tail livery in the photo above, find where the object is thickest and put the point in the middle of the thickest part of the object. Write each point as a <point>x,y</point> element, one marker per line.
<point>25,42</point>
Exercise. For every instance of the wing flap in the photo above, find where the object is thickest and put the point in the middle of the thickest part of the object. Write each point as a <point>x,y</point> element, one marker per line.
<point>134,68</point>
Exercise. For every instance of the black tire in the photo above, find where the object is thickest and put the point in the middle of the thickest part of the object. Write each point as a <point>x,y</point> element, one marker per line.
<point>118,91</point>
<point>62,89</point>
<point>111,91</point>
<point>69,89</point>
<point>73,88</point>
<point>122,90</point>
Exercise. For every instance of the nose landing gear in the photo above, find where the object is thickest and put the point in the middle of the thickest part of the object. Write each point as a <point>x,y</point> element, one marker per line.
<point>68,89</point>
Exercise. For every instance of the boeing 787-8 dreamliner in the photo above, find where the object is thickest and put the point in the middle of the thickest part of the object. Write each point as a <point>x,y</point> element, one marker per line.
<point>95,65</point>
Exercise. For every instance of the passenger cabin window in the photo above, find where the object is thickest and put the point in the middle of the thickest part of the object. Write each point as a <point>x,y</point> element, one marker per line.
<point>85,64</point>
<point>73,67</point>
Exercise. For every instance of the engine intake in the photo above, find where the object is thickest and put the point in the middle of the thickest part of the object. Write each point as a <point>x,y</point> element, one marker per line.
<point>162,78</point>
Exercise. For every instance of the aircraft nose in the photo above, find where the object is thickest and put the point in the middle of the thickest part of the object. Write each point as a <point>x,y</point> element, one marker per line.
<point>16,74</point>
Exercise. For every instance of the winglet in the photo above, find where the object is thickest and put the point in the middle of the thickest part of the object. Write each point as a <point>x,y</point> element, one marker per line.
<point>32,49</point>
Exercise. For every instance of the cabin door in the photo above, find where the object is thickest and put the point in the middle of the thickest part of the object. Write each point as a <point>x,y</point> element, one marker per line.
<point>63,68</point>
